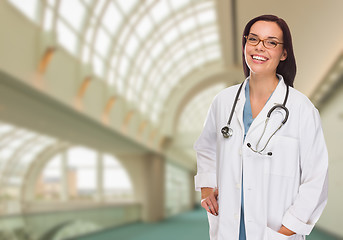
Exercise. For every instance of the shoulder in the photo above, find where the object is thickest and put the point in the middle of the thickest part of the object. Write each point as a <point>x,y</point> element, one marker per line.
<point>300,101</point>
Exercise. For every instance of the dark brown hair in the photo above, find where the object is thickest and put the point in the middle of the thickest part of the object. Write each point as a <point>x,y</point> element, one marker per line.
<point>286,68</point>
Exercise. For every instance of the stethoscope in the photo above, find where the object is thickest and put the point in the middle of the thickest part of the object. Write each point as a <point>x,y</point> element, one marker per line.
<point>227,130</point>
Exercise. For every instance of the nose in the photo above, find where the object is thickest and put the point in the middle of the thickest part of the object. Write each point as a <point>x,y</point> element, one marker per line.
<point>260,46</point>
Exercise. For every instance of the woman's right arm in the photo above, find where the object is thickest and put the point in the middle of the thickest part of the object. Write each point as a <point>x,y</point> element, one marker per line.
<point>206,147</point>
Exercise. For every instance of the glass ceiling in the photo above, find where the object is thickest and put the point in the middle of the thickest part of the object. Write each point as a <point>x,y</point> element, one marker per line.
<point>194,114</point>
<point>141,48</point>
<point>18,148</point>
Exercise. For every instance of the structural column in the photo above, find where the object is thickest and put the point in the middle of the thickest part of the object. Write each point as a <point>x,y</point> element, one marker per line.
<point>153,202</point>
<point>100,178</point>
<point>64,177</point>
<point>147,173</point>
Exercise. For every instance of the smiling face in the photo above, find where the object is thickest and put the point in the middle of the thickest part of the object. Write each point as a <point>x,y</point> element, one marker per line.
<point>262,60</point>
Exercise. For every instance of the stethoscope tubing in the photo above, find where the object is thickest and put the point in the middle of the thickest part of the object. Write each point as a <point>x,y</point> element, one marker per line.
<point>227,130</point>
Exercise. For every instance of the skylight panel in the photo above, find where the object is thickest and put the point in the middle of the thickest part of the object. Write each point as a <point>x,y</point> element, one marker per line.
<point>153,78</point>
<point>144,27</point>
<point>129,94</point>
<point>51,3</point>
<point>124,66</point>
<point>27,7</point>
<point>73,12</point>
<point>86,54</point>
<point>146,65</point>
<point>89,34</point>
<point>98,7</point>
<point>35,148</point>
<point>112,18</point>
<point>165,68</point>
<point>160,11</point>
<point>66,37</point>
<point>127,5</point>
<point>111,162</point>
<point>154,117</point>
<point>195,112</point>
<point>48,19</point>
<point>213,55</point>
<point>139,82</point>
<point>157,49</point>
<point>81,157</point>
<point>98,66</point>
<point>131,46</point>
<point>187,24</point>
<point>179,55</point>
<point>145,96</point>
<point>102,42</point>
<point>123,36</point>
<point>182,70</point>
<point>5,128</point>
<point>143,107</point>
<point>210,38</point>
<point>177,4</point>
<point>206,17</point>
<point>199,61</point>
<point>171,36</point>
<point>164,90</point>
<point>19,140</point>
<point>114,61</point>
<point>120,84</point>
<point>111,76</point>
<point>194,45</point>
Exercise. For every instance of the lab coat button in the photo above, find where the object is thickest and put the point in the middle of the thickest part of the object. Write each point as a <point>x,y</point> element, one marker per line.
<point>238,186</point>
<point>236,216</point>
<point>240,152</point>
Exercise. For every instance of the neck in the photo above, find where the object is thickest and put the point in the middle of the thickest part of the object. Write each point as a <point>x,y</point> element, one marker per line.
<point>261,86</point>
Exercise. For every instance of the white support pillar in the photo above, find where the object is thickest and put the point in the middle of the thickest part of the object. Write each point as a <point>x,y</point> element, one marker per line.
<point>155,188</point>
<point>64,177</point>
<point>147,172</point>
<point>100,178</point>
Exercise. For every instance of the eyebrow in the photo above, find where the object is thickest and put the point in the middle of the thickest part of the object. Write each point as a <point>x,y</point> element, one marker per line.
<point>268,37</point>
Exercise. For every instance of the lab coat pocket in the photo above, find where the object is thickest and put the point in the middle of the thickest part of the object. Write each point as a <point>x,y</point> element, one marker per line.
<point>284,160</point>
<point>274,235</point>
<point>213,225</point>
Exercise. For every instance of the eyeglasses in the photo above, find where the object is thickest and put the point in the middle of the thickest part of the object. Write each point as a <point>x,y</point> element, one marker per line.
<point>267,43</point>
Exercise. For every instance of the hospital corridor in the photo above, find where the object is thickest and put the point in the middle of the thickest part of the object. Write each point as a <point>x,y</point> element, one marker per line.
<point>101,102</point>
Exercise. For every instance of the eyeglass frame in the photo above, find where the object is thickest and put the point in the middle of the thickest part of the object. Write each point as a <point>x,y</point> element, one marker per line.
<point>262,40</point>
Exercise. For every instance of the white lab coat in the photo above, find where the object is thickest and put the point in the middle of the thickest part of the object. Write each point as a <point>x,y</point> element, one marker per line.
<point>290,187</point>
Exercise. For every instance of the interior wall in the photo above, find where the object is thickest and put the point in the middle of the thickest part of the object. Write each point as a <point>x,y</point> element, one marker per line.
<point>332,122</point>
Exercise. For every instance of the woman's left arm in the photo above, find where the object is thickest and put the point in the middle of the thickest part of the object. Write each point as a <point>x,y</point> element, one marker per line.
<point>313,191</point>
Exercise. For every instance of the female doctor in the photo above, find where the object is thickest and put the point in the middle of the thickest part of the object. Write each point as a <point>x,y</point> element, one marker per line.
<point>263,174</point>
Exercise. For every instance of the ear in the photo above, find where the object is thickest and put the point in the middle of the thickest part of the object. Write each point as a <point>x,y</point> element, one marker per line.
<point>284,55</point>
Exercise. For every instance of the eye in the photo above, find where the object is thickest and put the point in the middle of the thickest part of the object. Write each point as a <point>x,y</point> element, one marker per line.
<point>252,39</point>
<point>272,43</point>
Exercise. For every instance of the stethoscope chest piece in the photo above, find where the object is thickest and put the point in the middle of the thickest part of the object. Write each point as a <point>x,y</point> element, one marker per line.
<point>227,131</point>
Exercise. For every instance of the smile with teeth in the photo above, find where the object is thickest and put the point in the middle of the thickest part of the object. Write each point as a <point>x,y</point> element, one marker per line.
<point>260,58</point>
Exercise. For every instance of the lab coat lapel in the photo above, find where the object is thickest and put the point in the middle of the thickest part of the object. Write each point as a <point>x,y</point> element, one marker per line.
<point>240,105</point>
<point>277,98</point>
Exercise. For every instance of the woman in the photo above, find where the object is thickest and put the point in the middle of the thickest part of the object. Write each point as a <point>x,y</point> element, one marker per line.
<point>267,181</point>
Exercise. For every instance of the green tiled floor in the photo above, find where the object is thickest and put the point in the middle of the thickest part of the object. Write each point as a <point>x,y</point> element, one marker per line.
<point>186,226</point>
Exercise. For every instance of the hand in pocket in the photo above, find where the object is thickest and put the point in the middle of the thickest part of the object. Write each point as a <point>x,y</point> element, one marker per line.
<point>209,200</point>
